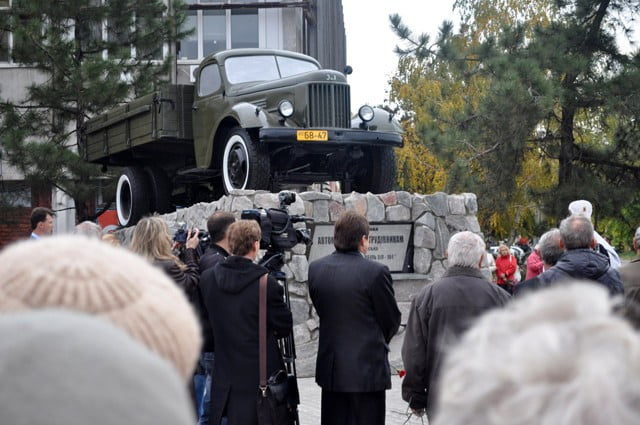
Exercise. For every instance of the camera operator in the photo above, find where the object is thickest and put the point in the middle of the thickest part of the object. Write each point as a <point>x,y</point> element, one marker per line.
<point>230,295</point>
<point>152,240</point>
<point>217,226</point>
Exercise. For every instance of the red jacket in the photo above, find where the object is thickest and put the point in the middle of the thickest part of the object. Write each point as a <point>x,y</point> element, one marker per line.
<point>506,265</point>
<point>534,265</point>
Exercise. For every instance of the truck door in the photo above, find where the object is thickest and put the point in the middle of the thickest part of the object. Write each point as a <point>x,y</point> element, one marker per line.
<point>206,104</point>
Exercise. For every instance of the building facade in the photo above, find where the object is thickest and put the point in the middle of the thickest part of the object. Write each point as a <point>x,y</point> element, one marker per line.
<point>313,27</point>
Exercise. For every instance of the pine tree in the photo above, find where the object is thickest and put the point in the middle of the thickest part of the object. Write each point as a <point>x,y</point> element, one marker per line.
<point>554,87</point>
<point>90,55</point>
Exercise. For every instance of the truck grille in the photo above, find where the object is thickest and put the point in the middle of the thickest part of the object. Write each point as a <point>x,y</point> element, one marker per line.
<point>329,105</point>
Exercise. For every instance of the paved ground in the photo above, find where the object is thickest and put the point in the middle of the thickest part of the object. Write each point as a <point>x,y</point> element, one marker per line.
<point>309,409</point>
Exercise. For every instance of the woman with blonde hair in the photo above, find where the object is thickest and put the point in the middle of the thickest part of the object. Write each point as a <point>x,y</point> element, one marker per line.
<point>152,240</point>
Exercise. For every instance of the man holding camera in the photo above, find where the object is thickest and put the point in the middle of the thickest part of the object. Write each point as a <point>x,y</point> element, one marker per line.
<point>359,315</point>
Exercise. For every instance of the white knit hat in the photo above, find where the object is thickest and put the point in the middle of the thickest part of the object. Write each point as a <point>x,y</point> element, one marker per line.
<point>67,368</point>
<point>91,276</point>
<point>581,207</point>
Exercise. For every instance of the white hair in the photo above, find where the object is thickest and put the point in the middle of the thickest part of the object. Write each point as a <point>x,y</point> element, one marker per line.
<point>465,250</point>
<point>556,357</point>
<point>89,229</point>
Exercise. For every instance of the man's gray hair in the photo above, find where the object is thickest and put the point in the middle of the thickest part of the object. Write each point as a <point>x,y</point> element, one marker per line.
<point>89,229</point>
<point>576,232</point>
<point>549,247</point>
<point>557,356</point>
<point>465,250</point>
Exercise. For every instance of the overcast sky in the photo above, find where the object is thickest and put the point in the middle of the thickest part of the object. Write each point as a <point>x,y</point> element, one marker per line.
<point>370,40</point>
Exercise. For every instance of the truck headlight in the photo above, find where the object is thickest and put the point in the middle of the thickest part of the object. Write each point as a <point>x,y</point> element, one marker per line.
<point>285,108</point>
<point>366,113</point>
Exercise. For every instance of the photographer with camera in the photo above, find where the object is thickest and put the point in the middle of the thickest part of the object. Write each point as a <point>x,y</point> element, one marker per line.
<point>152,240</point>
<point>230,295</point>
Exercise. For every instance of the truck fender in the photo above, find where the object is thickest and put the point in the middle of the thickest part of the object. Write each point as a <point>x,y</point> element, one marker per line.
<point>249,115</point>
<point>382,121</point>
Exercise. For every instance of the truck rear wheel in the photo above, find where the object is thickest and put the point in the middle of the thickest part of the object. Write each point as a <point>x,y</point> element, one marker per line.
<point>380,174</point>
<point>132,196</point>
<point>244,164</point>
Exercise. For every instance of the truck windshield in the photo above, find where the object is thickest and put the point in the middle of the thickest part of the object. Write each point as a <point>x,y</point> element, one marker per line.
<point>244,69</point>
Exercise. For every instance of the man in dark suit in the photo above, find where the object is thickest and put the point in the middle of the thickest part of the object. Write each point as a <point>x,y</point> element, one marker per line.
<point>358,316</point>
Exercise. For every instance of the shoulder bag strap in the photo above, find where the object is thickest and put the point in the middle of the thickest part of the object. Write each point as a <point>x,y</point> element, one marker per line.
<point>262,329</point>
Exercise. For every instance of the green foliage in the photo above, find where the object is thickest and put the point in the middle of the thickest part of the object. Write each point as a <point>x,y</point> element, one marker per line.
<point>549,86</point>
<point>90,56</point>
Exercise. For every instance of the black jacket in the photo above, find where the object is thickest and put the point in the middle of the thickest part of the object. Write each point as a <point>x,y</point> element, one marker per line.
<point>214,255</point>
<point>230,296</point>
<point>186,279</point>
<point>439,314</point>
<point>358,315</point>
<point>583,264</point>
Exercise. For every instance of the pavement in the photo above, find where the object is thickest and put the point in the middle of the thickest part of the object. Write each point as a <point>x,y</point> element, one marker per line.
<point>309,408</point>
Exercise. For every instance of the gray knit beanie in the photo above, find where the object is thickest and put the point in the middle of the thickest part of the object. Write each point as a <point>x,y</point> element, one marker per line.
<point>66,368</point>
<point>91,276</point>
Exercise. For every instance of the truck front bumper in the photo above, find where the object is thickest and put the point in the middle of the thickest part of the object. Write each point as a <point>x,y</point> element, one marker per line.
<point>339,136</point>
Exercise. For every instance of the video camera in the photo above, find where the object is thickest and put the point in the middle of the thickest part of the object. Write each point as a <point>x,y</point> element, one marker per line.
<point>276,225</point>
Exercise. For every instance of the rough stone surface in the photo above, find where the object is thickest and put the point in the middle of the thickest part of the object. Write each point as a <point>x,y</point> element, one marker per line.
<point>299,311</point>
<point>267,200</point>
<point>423,237</point>
<point>472,224</point>
<point>300,248</point>
<point>315,196</point>
<point>457,223</point>
<point>300,267</point>
<point>375,208</point>
<point>398,213</point>
<point>422,260</point>
<point>357,202</point>
<point>427,219</point>
<point>335,210</point>
<point>297,288</point>
<point>321,211</point>
<point>418,208</point>
<point>301,333</point>
<point>241,203</point>
<point>438,203</point>
<point>389,198</point>
<point>471,203</point>
<point>456,204</point>
<point>442,238</point>
<point>404,198</point>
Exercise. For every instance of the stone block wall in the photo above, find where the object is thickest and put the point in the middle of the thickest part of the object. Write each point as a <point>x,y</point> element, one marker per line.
<point>435,218</point>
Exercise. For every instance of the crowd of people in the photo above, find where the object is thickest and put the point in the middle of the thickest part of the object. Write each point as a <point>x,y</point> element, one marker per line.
<point>143,335</point>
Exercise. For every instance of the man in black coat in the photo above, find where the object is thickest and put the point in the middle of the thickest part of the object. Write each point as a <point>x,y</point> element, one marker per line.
<point>230,295</point>
<point>358,315</point>
<point>217,226</point>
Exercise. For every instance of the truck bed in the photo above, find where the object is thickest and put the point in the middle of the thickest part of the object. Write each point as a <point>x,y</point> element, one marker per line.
<point>160,121</point>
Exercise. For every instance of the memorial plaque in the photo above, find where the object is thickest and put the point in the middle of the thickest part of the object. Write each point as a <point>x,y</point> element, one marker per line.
<point>387,243</point>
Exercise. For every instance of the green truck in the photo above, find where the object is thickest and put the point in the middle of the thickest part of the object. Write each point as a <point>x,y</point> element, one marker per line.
<point>254,119</point>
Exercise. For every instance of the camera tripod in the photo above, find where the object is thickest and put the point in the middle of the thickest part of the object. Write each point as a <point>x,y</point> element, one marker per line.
<point>273,261</point>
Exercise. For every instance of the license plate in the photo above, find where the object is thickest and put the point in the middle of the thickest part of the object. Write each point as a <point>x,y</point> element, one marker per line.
<point>313,135</point>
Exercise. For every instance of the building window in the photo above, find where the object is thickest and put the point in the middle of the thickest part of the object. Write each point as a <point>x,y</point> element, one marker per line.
<point>4,46</point>
<point>216,30</point>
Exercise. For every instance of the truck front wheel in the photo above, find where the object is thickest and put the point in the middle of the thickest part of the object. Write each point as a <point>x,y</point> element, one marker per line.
<point>244,164</point>
<point>132,196</point>
<point>380,171</point>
